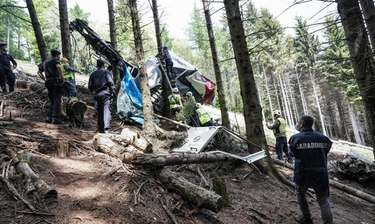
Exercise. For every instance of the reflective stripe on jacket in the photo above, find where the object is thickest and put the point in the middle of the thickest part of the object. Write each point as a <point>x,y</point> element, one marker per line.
<point>67,74</point>
<point>203,115</point>
<point>174,101</point>
<point>282,126</point>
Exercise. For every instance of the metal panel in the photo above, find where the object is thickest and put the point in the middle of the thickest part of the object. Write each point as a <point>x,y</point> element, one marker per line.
<point>198,138</point>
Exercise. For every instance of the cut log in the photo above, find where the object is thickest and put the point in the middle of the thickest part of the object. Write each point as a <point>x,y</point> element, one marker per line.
<point>175,158</point>
<point>40,185</point>
<point>74,107</point>
<point>105,144</point>
<point>357,166</point>
<point>137,140</point>
<point>199,196</point>
<point>44,189</point>
<point>22,167</point>
<point>116,144</point>
<point>62,147</point>
<point>219,186</point>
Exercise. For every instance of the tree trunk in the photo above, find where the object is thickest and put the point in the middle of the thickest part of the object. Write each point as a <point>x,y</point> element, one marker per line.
<point>165,84</point>
<point>155,160</point>
<point>252,109</point>
<point>113,36</point>
<point>65,32</point>
<point>199,196</point>
<point>148,126</point>
<point>37,30</point>
<point>361,57</point>
<point>368,10</point>
<point>215,60</point>
<point>155,13</point>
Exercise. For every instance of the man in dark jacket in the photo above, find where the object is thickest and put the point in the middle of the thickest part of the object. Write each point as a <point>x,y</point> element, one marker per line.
<point>101,84</point>
<point>54,80</point>
<point>5,68</point>
<point>310,149</point>
<point>168,63</point>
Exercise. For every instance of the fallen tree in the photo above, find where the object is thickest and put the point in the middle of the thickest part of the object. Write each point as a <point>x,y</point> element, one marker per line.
<point>200,196</point>
<point>130,147</point>
<point>158,160</point>
<point>337,185</point>
<point>31,181</point>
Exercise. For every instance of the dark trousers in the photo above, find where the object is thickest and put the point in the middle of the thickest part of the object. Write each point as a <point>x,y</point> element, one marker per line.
<point>322,197</point>
<point>194,120</point>
<point>175,110</point>
<point>54,95</point>
<point>104,100</point>
<point>169,67</point>
<point>7,72</point>
<point>282,146</point>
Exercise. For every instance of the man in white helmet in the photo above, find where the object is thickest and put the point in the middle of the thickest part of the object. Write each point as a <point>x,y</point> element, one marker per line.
<point>279,130</point>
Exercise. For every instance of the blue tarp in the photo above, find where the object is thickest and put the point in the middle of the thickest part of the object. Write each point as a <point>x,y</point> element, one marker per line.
<point>129,100</point>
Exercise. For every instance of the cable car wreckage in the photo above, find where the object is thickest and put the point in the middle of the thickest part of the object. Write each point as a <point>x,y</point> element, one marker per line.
<point>129,98</point>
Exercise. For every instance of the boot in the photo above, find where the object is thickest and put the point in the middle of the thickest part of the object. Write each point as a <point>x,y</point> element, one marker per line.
<point>302,220</point>
<point>57,121</point>
<point>48,119</point>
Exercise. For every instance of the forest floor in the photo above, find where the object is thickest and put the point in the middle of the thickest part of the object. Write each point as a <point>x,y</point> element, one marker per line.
<point>96,188</point>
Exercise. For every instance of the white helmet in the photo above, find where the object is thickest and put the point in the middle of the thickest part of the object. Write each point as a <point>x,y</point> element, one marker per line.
<point>277,112</point>
<point>198,105</point>
<point>189,94</point>
<point>175,90</point>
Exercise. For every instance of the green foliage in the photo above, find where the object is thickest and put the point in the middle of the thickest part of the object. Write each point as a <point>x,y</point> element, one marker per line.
<point>49,21</point>
<point>187,110</point>
<point>167,41</point>
<point>198,36</point>
<point>306,45</point>
<point>13,19</point>
<point>124,28</point>
<point>77,13</point>
<point>335,62</point>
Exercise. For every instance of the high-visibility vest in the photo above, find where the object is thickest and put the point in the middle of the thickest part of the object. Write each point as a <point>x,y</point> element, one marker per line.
<point>67,74</point>
<point>282,126</point>
<point>203,115</point>
<point>174,101</point>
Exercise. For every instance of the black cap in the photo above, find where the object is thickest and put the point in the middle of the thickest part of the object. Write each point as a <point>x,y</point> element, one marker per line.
<point>100,63</point>
<point>3,44</point>
<point>55,53</point>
